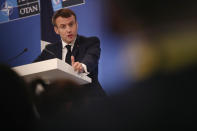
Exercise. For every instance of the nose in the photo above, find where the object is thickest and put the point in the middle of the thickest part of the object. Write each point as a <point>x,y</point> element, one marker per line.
<point>68,29</point>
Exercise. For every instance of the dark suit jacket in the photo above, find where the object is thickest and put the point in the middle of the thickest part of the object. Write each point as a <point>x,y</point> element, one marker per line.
<point>86,50</point>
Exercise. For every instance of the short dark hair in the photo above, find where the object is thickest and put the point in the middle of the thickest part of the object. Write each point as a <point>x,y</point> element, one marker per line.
<point>65,13</point>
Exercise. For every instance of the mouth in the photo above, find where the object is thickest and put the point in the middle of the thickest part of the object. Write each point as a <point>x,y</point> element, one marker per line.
<point>70,36</point>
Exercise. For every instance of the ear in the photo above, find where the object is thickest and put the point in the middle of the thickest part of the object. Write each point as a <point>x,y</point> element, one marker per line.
<point>56,30</point>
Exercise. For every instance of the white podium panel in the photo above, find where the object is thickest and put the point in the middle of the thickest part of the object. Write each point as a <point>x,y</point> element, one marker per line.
<point>51,70</point>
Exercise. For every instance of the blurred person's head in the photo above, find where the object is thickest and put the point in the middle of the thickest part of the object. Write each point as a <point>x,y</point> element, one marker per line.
<point>17,110</point>
<point>161,35</point>
<point>57,98</point>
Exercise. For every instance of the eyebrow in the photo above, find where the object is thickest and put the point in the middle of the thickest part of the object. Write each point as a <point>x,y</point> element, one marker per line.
<point>71,22</point>
<point>62,24</point>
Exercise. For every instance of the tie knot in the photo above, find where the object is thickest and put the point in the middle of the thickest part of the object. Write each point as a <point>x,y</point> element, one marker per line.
<point>68,47</point>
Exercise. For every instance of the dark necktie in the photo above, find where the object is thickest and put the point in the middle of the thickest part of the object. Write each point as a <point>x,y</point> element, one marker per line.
<point>68,55</point>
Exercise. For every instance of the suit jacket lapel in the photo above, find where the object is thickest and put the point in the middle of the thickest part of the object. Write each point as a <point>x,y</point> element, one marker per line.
<point>59,50</point>
<point>75,50</point>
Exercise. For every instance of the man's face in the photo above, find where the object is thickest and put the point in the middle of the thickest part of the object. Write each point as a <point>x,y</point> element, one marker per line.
<point>66,28</point>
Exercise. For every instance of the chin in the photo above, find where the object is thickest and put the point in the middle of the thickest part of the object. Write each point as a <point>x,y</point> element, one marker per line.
<point>70,41</point>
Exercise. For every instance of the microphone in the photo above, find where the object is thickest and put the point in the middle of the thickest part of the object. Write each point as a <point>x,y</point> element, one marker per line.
<point>48,51</point>
<point>13,58</point>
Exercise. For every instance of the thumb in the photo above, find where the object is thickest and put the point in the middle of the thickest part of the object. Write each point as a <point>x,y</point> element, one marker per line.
<point>72,60</point>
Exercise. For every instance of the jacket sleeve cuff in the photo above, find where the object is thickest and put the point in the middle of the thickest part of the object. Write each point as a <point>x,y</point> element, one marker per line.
<point>85,69</point>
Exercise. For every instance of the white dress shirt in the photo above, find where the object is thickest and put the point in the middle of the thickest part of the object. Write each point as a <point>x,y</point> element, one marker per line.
<point>64,49</point>
<point>64,52</point>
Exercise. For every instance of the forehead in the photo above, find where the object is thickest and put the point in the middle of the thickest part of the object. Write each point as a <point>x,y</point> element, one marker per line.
<point>63,20</point>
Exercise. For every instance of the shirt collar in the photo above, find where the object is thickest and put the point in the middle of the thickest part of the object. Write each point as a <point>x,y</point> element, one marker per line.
<point>71,44</point>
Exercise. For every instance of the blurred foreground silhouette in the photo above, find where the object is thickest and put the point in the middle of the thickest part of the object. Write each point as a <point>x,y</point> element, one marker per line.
<point>160,58</point>
<point>160,61</point>
<point>161,35</point>
<point>17,110</point>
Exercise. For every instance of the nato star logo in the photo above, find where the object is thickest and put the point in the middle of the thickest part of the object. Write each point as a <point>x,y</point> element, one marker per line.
<point>7,8</point>
<point>56,2</point>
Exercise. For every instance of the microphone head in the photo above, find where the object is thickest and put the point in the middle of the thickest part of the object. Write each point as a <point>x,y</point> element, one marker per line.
<point>25,49</point>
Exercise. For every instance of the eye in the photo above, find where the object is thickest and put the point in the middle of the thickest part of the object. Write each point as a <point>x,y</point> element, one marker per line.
<point>71,24</point>
<point>62,26</point>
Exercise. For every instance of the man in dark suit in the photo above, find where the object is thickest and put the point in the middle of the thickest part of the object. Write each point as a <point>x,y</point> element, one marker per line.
<point>81,52</point>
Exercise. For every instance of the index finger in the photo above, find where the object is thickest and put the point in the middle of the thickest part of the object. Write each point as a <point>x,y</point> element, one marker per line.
<point>72,60</point>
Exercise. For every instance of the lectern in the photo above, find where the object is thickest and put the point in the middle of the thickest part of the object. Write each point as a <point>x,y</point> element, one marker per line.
<point>51,70</point>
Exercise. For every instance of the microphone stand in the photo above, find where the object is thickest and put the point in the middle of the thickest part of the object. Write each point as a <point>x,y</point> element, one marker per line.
<point>25,50</point>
